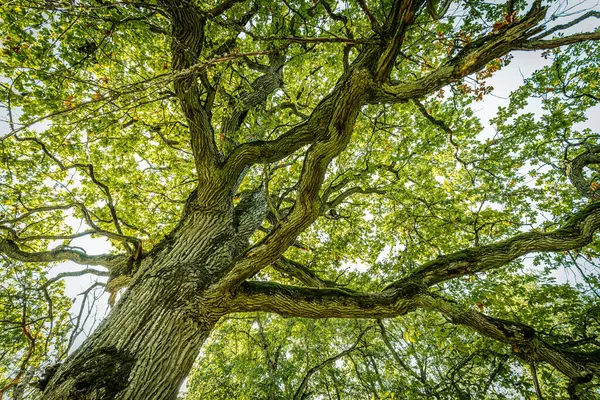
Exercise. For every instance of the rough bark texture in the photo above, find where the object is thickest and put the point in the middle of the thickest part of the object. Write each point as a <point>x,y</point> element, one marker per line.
<point>147,345</point>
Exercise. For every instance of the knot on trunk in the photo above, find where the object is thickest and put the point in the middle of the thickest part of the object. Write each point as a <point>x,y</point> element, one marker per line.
<point>97,374</point>
<point>47,376</point>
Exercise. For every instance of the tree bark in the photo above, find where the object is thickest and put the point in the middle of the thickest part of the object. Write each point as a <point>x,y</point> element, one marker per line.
<point>148,344</point>
<point>143,351</point>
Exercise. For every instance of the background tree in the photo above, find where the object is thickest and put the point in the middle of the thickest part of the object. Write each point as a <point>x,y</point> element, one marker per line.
<point>308,159</point>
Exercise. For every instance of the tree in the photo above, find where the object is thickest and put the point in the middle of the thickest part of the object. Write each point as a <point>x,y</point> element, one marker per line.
<point>238,155</point>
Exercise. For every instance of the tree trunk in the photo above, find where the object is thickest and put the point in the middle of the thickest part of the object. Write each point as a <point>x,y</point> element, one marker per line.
<point>147,345</point>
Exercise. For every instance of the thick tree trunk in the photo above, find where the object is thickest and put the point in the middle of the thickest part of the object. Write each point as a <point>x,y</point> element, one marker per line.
<point>148,343</point>
<point>143,351</point>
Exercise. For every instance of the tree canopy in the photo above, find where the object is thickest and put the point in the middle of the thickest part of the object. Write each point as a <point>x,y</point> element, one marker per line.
<point>379,239</point>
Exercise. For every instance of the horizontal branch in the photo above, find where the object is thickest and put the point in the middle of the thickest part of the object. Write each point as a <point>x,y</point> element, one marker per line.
<point>525,340</point>
<point>11,250</point>
<point>70,274</point>
<point>554,43</point>
<point>577,232</point>
<point>297,301</point>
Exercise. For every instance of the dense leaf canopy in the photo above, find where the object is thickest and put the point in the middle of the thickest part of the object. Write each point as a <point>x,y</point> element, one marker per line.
<point>476,237</point>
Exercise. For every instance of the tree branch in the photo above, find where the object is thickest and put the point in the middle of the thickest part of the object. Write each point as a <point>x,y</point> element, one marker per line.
<point>394,30</point>
<point>262,87</point>
<point>89,170</point>
<point>331,124</point>
<point>374,24</point>
<point>298,301</point>
<point>338,124</point>
<point>323,303</point>
<point>10,249</point>
<point>388,344</point>
<point>577,232</point>
<point>188,23</point>
<point>470,59</point>
<point>70,274</point>
<point>438,14</point>
<point>554,43</point>
<point>299,395</point>
<point>575,172</point>
<point>526,343</point>
<point>295,301</point>
<point>262,152</point>
<point>339,199</point>
<point>574,22</point>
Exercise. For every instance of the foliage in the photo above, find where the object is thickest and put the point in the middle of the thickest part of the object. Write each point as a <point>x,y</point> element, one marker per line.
<point>101,143</point>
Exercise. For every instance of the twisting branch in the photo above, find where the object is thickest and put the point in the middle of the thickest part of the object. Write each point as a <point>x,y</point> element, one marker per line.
<point>575,173</point>
<point>341,197</point>
<point>320,121</point>
<point>188,23</point>
<point>470,59</point>
<point>24,364</point>
<point>262,152</point>
<point>526,342</point>
<point>338,123</point>
<point>10,249</point>
<point>577,232</point>
<point>86,215</point>
<point>331,121</point>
